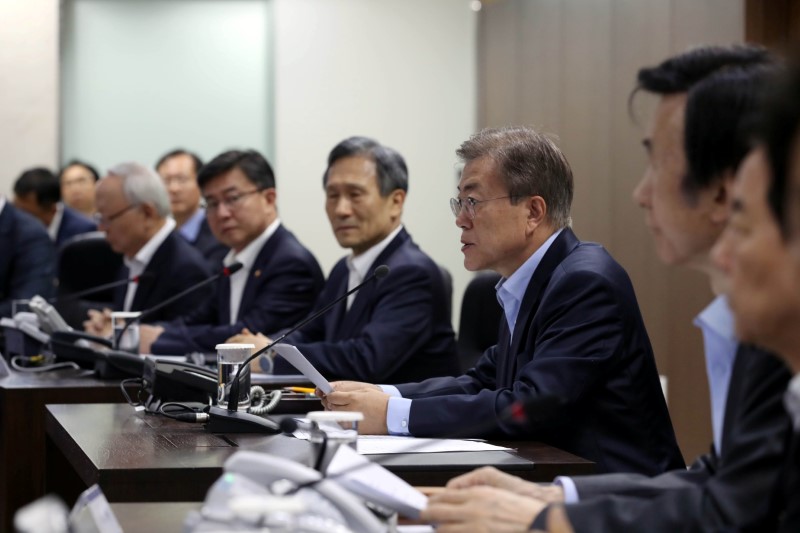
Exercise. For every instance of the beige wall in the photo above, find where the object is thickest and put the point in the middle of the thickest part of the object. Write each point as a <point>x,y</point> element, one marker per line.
<point>28,87</point>
<point>568,67</point>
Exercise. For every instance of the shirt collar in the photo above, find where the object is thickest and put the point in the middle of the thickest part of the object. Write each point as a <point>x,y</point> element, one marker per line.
<point>360,264</point>
<point>191,228</point>
<point>145,254</point>
<point>517,283</point>
<point>55,224</point>
<point>718,318</point>
<point>247,257</point>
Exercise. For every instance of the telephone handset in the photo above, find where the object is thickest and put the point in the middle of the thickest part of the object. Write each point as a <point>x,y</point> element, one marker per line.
<point>248,475</point>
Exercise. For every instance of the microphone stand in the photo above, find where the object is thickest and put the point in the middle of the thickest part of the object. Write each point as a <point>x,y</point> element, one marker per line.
<point>98,288</point>
<point>232,421</point>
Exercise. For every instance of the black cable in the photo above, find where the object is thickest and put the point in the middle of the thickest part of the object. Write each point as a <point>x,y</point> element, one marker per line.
<point>131,381</point>
<point>190,414</point>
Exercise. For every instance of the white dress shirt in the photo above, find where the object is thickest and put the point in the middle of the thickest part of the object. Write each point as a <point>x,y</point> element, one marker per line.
<point>359,265</point>
<point>138,263</point>
<point>55,224</point>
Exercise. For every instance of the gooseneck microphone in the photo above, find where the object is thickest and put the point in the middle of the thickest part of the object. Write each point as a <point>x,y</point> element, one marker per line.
<point>225,272</point>
<point>98,288</point>
<point>230,420</point>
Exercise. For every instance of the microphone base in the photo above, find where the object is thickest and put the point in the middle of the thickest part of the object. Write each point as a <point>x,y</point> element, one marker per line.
<point>220,420</point>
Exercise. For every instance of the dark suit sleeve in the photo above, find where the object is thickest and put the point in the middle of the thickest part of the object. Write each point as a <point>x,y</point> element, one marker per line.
<point>738,493</point>
<point>283,298</point>
<point>400,324</point>
<point>579,340</point>
<point>32,268</point>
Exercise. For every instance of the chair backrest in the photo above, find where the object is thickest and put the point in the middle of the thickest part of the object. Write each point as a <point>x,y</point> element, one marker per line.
<point>85,261</point>
<point>448,289</point>
<point>480,319</point>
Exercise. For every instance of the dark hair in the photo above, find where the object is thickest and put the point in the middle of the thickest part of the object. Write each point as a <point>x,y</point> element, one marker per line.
<point>78,162</point>
<point>251,163</point>
<point>723,86</point>
<point>531,165</point>
<point>180,151</point>
<point>390,167</point>
<point>780,132</point>
<point>40,181</point>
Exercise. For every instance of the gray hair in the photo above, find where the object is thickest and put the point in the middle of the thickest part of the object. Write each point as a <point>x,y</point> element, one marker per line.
<point>530,164</point>
<point>141,185</point>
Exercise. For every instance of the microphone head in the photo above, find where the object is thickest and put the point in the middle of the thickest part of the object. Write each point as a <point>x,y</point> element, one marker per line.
<point>288,425</point>
<point>232,269</point>
<point>381,271</point>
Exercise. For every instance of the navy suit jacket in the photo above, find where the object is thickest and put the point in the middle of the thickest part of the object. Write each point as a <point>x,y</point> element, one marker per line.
<point>73,223</point>
<point>737,490</point>
<point>397,328</point>
<point>281,288</point>
<point>579,337</point>
<point>27,258</point>
<point>208,245</point>
<point>175,266</point>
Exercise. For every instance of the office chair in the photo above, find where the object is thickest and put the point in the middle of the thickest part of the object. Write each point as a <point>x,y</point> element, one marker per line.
<point>448,289</point>
<point>85,261</point>
<point>480,319</point>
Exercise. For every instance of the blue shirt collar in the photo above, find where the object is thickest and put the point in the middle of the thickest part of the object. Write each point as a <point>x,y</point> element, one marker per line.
<point>511,290</point>
<point>191,228</point>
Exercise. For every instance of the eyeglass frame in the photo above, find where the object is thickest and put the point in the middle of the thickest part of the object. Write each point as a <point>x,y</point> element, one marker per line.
<point>469,203</point>
<point>105,221</point>
<point>229,202</point>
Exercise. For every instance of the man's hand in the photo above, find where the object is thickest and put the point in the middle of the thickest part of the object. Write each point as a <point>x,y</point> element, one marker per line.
<point>147,336</point>
<point>248,337</point>
<point>481,509</point>
<point>371,401</point>
<point>99,323</point>
<point>493,477</point>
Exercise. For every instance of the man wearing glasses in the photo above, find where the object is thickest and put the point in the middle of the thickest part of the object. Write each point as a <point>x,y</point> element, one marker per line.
<point>178,169</point>
<point>280,278</point>
<point>395,329</point>
<point>133,211</point>
<point>572,330</point>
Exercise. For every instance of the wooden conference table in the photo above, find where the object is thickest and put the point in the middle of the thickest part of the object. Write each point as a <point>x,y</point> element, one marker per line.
<point>137,457</point>
<point>22,433</point>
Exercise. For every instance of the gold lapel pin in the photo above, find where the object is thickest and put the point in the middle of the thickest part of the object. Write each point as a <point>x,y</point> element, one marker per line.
<point>257,274</point>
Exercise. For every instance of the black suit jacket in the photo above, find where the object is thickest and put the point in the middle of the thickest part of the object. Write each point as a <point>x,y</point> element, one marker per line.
<point>175,266</point>
<point>73,223</point>
<point>397,329</point>
<point>737,490</point>
<point>281,288</point>
<point>579,337</point>
<point>27,258</point>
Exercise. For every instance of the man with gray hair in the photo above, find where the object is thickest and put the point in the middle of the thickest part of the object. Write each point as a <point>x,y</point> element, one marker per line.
<point>572,341</point>
<point>133,209</point>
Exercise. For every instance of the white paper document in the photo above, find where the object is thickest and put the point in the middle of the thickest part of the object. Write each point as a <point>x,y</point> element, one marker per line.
<point>374,483</point>
<point>299,361</point>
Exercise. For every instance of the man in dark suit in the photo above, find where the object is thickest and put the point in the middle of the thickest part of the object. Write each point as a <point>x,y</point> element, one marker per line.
<point>38,192</point>
<point>393,329</point>
<point>280,278</point>
<point>133,210</point>
<point>572,326</point>
<point>696,140</point>
<point>179,169</point>
<point>27,263</point>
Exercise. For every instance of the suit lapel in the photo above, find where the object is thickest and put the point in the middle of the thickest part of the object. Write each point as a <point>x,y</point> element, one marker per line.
<point>365,296</point>
<point>156,267</point>
<point>258,271</point>
<point>562,246</point>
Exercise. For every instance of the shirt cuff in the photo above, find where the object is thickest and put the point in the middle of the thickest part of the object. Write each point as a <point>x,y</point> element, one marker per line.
<point>397,416</point>
<point>570,490</point>
<point>391,390</point>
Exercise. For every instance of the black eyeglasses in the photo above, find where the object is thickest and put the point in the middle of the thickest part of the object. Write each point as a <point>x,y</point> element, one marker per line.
<point>230,201</point>
<point>105,221</point>
<point>469,203</point>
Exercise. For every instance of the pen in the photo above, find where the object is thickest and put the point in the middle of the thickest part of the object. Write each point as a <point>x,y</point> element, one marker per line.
<point>306,390</point>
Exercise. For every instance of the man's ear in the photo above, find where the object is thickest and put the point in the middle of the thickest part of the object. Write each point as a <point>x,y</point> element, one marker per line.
<point>721,199</point>
<point>396,200</point>
<point>537,211</point>
<point>271,195</point>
